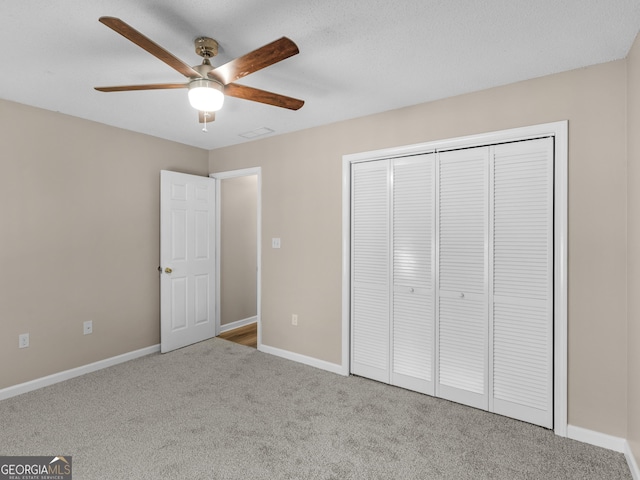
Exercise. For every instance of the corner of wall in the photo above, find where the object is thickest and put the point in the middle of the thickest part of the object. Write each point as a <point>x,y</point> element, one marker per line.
<point>633,257</point>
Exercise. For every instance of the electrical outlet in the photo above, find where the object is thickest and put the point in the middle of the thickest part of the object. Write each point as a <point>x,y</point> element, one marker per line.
<point>294,320</point>
<point>275,243</point>
<point>23,340</point>
<point>87,327</point>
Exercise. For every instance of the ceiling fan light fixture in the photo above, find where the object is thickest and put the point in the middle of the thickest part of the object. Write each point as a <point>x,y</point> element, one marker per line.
<point>206,95</point>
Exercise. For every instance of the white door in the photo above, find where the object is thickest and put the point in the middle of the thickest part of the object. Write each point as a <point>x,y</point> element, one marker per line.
<point>452,276</point>
<point>370,184</point>
<point>522,284</point>
<point>187,259</point>
<point>413,247</point>
<point>462,301</point>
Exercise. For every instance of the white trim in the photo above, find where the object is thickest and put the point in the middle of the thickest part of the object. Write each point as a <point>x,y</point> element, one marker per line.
<point>346,266</point>
<point>217,252</point>
<point>617,444</point>
<point>75,372</point>
<point>238,324</point>
<point>219,176</point>
<point>560,278</point>
<point>243,172</point>
<point>520,133</point>
<point>296,357</point>
<point>631,461</point>
<point>603,440</point>
<point>559,130</point>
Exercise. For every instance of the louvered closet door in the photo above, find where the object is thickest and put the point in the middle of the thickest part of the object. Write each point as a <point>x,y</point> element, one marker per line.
<point>412,338</point>
<point>370,269</point>
<point>522,306</point>
<point>462,310</point>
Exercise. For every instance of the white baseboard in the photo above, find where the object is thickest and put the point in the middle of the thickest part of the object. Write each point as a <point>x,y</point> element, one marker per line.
<point>631,461</point>
<point>296,357</point>
<point>75,372</point>
<point>238,324</point>
<point>617,444</point>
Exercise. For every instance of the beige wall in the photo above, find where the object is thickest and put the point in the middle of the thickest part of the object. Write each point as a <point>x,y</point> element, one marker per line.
<point>79,203</point>
<point>633,246</point>
<point>238,244</point>
<point>301,194</point>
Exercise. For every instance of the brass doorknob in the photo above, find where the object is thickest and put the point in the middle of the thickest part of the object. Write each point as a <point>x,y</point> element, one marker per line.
<point>167,270</point>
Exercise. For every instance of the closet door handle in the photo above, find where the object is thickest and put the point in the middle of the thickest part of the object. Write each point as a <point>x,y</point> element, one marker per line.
<point>461,295</point>
<point>411,289</point>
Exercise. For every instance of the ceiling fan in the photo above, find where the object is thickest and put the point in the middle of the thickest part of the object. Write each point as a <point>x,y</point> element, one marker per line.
<point>208,84</point>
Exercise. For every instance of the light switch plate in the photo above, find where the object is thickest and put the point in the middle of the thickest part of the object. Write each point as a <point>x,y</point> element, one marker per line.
<point>23,340</point>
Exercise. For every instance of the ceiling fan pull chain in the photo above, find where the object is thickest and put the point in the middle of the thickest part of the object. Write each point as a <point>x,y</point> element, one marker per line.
<point>204,129</point>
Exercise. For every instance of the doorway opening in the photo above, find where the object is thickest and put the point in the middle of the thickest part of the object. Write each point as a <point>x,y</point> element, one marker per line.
<point>247,335</point>
<point>238,255</point>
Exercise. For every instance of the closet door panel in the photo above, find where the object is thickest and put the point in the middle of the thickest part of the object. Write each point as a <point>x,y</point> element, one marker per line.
<point>370,270</point>
<point>413,217</point>
<point>463,220</point>
<point>463,350</point>
<point>413,252</point>
<point>522,370</point>
<point>413,340</point>
<point>370,334</point>
<point>522,287</point>
<point>462,326</point>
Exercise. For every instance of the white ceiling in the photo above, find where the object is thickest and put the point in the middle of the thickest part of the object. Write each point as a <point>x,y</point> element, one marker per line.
<point>357,57</point>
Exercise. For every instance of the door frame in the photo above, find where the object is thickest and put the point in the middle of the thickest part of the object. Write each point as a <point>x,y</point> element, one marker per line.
<point>559,130</point>
<point>218,177</point>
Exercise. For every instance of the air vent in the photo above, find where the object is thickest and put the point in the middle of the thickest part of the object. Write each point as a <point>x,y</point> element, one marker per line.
<point>258,132</point>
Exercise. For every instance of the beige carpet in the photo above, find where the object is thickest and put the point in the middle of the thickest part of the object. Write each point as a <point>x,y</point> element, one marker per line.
<point>218,410</point>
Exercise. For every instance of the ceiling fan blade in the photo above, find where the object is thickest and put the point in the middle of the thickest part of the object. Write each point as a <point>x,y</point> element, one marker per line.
<point>262,96</point>
<point>150,46</point>
<point>211,116</point>
<point>154,86</point>
<point>269,54</point>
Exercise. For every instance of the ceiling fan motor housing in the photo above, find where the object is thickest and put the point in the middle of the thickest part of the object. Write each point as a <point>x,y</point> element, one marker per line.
<point>206,47</point>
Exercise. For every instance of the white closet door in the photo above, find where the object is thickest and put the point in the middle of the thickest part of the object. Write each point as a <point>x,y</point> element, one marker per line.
<point>522,286</point>
<point>413,273</point>
<point>462,309</point>
<point>370,270</point>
